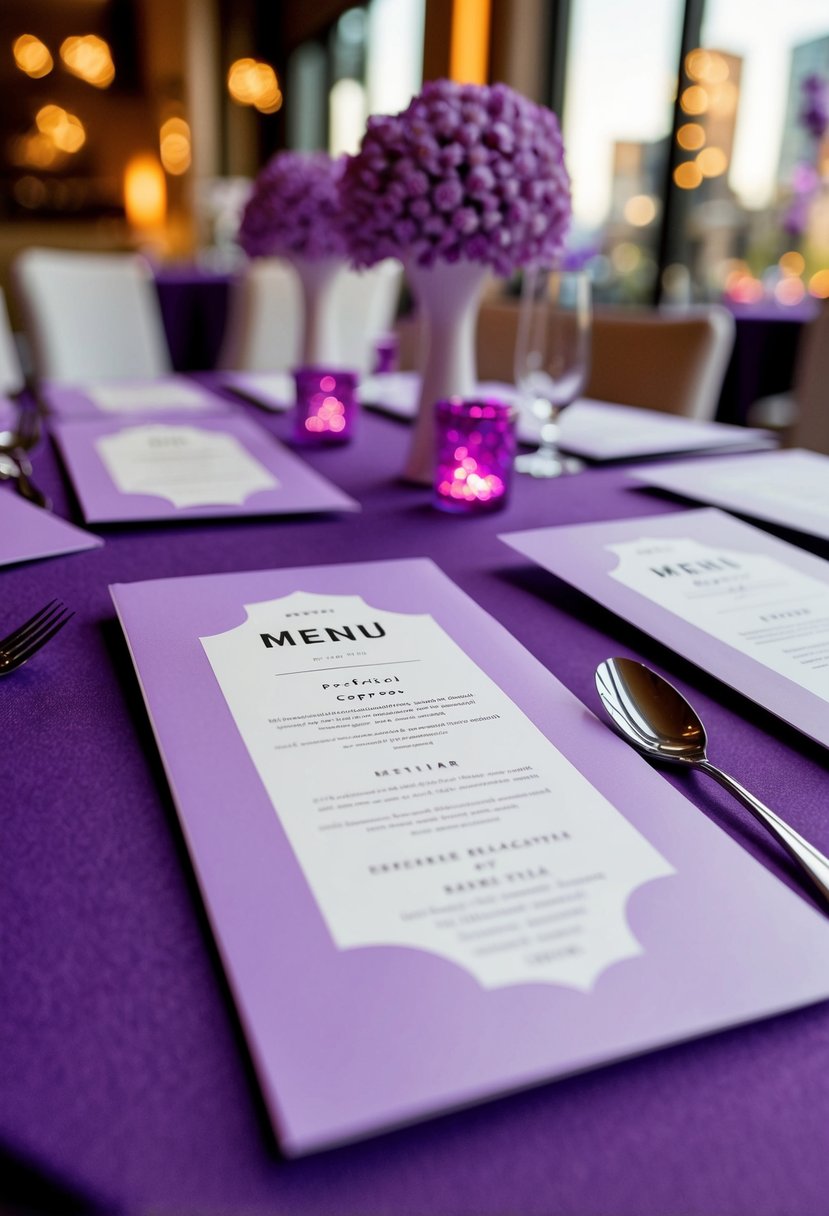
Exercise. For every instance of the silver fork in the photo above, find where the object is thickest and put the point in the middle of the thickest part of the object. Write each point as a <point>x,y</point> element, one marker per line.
<point>14,460</point>
<point>19,646</point>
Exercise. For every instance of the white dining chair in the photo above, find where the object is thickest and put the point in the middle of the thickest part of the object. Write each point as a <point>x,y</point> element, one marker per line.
<point>90,316</point>
<point>264,328</point>
<point>11,370</point>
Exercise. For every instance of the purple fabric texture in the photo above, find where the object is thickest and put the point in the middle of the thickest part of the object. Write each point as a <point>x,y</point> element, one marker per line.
<point>125,1072</point>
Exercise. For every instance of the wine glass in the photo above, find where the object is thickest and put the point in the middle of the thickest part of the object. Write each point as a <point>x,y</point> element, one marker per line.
<point>552,357</point>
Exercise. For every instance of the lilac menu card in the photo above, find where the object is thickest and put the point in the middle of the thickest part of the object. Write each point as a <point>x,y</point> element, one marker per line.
<point>433,876</point>
<point>159,397</point>
<point>748,608</point>
<point>28,532</point>
<point>188,469</point>
<point>789,487</point>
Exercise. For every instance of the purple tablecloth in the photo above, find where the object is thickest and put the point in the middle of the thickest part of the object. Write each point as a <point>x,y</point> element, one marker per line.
<point>125,1074</point>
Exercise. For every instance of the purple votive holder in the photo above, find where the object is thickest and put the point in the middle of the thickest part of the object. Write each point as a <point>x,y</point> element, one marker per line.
<point>474,454</point>
<point>385,354</point>
<point>326,405</point>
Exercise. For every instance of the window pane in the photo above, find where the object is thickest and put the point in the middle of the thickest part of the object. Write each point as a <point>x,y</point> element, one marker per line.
<point>617,115</point>
<point>761,228</point>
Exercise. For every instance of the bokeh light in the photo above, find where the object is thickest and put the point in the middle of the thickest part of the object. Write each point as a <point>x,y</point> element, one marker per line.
<point>32,56</point>
<point>712,162</point>
<point>688,175</point>
<point>251,82</point>
<point>819,284</point>
<point>694,99</point>
<point>640,210</point>
<point>65,130</point>
<point>690,136</point>
<point>175,146</point>
<point>708,67</point>
<point>792,263</point>
<point>789,291</point>
<point>88,57</point>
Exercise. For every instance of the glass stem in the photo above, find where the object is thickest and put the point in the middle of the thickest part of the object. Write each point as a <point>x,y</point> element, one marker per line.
<point>549,432</point>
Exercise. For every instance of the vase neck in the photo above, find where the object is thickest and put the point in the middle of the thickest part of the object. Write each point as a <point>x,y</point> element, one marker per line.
<point>447,289</point>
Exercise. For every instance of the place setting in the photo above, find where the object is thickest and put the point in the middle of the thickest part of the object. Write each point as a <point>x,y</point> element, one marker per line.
<point>428,820</point>
<point>214,468</point>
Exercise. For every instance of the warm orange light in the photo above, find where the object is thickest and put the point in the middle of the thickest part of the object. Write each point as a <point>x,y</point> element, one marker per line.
<point>175,146</point>
<point>688,175</point>
<point>819,284</point>
<point>792,263</point>
<point>712,162</point>
<point>251,82</point>
<point>690,136</point>
<point>34,151</point>
<point>32,56</point>
<point>88,57</point>
<point>65,130</point>
<point>709,67</point>
<point>145,192</point>
<point>469,41</point>
<point>640,210</point>
<point>694,99</point>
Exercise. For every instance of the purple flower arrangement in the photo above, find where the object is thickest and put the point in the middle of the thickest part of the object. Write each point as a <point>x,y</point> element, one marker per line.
<point>813,116</point>
<point>295,208</point>
<point>473,172</point>
<point>814,105</point>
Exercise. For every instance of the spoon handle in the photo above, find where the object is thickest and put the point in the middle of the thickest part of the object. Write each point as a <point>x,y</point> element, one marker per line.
<point>806,855</point>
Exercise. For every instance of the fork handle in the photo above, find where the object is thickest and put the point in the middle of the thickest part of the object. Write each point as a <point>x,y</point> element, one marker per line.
<point>25,486</point>
<point>811,861</point>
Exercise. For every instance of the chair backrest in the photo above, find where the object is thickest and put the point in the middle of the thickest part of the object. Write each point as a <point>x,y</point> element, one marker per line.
<point>811,387</point>
<point>90,316</point>
<point>263,331</point>
<point>11,371</point>
<point>265,317</point>
<point>669,361</point>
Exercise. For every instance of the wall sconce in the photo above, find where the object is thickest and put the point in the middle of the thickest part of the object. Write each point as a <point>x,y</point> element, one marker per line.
<point>145,197</point>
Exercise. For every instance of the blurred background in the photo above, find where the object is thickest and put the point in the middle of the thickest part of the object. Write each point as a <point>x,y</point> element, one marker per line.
<point>698,172</point>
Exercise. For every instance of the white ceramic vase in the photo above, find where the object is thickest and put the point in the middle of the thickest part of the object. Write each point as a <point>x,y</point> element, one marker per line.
<point>447,296</point>
<point>320,340</point>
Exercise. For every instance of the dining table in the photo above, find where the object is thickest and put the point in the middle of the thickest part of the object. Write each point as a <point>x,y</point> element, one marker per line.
<point>127,1085</point>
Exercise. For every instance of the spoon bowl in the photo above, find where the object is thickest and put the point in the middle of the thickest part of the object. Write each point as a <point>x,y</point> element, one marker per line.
<point>657,719</point>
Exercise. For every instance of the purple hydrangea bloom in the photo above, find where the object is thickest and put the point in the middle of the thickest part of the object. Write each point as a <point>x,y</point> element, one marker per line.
<point>483,178</point>
<point>295,205</point>
<point>814,105</point>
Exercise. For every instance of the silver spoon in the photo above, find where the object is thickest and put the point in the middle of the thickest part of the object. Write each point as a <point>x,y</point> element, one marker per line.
<point>655,717</point>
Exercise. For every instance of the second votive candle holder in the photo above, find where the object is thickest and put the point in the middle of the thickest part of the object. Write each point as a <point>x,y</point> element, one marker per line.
<point>474,454</point>
<point>326,405</point>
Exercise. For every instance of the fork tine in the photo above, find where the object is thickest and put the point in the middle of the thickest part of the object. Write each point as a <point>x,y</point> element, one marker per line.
<point>34,635</point>
<point>34,644</point>
<point>33,632</point>
<point>23,629</point>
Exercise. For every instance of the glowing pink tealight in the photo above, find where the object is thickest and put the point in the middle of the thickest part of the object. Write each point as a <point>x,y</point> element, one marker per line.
<point>326,405</point>
<point>474,454</point>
